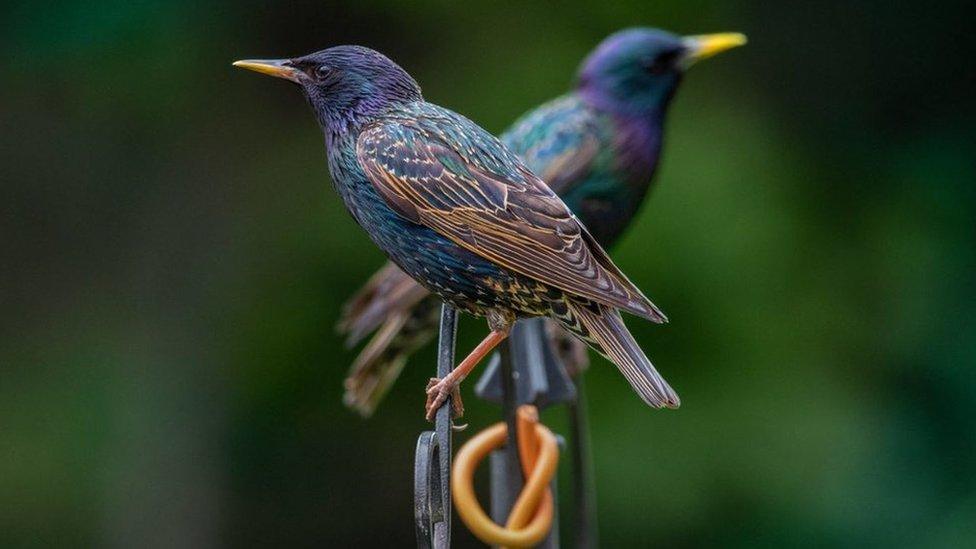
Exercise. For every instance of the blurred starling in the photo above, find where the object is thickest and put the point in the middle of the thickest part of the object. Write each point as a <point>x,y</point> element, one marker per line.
<point>461,214</point>
<point>597,147</point>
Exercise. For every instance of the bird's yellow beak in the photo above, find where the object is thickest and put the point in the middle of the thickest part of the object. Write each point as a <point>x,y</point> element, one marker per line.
<point>704,46</point>
<point>279,68</point>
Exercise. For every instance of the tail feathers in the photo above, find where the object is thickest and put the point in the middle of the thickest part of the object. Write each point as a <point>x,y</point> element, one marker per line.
<point>602,327</point>
<point>384,357</point>
<point>388,293</point>
<point>374,371</point>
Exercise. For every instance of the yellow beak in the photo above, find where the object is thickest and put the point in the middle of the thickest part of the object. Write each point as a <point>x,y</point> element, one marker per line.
<point>704,46</point>
<point>279,68</point>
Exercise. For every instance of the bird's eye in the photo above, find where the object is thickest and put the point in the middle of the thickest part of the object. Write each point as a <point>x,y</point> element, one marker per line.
<point>322,72</point>
<point>660,64</point>
<point>657,65</point>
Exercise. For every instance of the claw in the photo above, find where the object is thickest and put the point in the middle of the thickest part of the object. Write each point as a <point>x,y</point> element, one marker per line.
<point>437,392</point>
<point>438,389</point>
<point>433,403</point>
<point>435,397</point>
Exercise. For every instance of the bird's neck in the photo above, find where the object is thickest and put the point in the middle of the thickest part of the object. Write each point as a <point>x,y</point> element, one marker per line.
<point>340,126</point>
<point>637,142</point>
<point>342,129</point>
<point>344,116</point>
<point>637,136</point>
<point>647,104</point>
<point>340,144</point>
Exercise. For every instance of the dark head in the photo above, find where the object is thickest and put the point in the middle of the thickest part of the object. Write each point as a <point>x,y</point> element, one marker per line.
<point>344,84</point>
<point>637,70</point>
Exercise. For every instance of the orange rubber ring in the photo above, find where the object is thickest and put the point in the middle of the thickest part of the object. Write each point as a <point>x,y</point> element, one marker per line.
<point>531,516</point>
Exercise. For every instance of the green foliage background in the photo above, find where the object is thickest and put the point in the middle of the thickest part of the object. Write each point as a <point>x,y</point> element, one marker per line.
<point>172,260</point>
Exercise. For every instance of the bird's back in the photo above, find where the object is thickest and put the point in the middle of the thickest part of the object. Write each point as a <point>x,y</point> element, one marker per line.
<point>471,141</point>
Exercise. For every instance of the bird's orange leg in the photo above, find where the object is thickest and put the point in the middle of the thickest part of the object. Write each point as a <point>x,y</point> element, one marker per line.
<point>439,389</point>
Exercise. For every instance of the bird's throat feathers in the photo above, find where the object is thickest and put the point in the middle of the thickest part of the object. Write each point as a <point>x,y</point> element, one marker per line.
<point>638,116</point>
<point>643,103</point>
<point>637,141</point>
<point>342,116</point>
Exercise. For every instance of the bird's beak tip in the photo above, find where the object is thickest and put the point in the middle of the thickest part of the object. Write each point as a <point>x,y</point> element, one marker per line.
<point>278,68</point>
<point>707,45</point>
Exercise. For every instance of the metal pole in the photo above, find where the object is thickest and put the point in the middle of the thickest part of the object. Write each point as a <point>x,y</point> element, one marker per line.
<point>506,468</point>
<point>432,465</point>
<point>584,488</point>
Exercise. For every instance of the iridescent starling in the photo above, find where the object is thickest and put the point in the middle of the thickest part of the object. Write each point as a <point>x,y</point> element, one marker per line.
<point>597,147</point>
<point>461,214</point>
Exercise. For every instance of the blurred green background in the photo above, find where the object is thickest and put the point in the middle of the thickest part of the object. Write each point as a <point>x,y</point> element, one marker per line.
<point>173,261</point>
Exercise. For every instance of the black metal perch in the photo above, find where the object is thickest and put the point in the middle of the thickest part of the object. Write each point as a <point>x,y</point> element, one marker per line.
<point>524,371</point>
<point>432,465</point>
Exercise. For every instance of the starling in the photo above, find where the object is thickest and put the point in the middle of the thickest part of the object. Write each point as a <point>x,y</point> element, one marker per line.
<point>597,147</point>
<point>461,214</point>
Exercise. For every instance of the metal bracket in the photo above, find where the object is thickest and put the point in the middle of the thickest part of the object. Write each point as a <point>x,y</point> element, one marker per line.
<point>538,376</point>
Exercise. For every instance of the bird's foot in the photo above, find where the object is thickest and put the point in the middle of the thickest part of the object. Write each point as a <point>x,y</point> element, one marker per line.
<point>437,392</point>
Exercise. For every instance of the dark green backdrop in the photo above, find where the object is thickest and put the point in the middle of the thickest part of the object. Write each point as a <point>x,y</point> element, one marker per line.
<point>172,260</point>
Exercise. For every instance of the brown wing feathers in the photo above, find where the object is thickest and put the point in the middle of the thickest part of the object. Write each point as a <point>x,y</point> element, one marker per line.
<point>515,221</point>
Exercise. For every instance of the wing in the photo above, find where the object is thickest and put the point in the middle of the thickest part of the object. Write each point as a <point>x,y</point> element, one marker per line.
<point>445,172</point>
<point>559,141</point>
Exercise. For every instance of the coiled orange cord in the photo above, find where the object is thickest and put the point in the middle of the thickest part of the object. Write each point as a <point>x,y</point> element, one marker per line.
<point>531,517</point>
